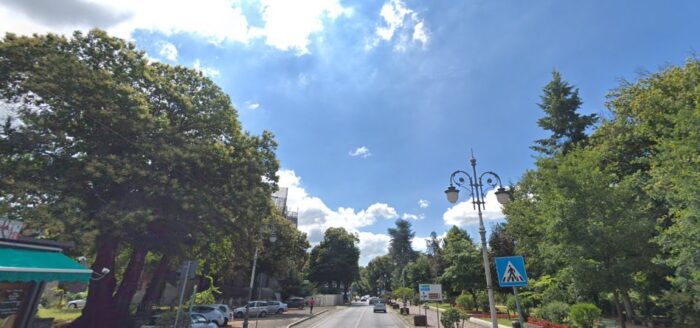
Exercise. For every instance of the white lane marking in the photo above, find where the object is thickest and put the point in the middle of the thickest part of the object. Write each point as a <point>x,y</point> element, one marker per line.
<point>360,319</point>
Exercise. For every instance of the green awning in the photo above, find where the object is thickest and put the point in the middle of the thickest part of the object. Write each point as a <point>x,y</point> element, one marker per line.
<point>18,264</point>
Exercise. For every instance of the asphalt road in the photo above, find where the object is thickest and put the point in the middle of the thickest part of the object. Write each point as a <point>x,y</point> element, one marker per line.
<point>359,315</point>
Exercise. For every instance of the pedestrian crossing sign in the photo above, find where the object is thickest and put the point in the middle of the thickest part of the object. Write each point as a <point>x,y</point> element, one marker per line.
<point>511,271</point>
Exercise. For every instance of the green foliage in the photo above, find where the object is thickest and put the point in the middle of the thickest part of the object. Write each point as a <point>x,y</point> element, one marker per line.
<point>482,300</point>
<point>400,293</point>
<point>584,315</point>
<point>400,248</point>
<point>465,302</point>
<point>209,295</point>
<point>464,271</point>
<point>379,273</point>
<point>560,102</point>
<point>418,272</point>
<point>556,312</point>
<point>450,318</point>
<point>335,258</point>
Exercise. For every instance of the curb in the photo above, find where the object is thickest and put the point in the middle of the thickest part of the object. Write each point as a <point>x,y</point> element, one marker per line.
<point>304,319</point>
<point>401,318</point>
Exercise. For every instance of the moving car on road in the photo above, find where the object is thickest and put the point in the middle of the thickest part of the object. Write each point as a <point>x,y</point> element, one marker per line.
<point>380,306</point>
<point>212,313</point>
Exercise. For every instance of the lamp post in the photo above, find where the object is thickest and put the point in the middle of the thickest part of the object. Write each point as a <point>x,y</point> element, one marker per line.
<point>273,238</point>
<point>475,185</point>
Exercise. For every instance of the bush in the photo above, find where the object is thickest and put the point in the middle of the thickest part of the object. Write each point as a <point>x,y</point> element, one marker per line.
<point>482,298</point>
<point>556,312</point>
<point>465,302</point>
<point>584,315</point>
<point>450,317</point>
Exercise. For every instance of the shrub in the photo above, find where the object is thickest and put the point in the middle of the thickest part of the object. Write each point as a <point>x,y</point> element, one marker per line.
<point>450,317</point>
<point>584,315</point>
<point>483,299</point>
<point>465,302</point>
<point>556,312</point>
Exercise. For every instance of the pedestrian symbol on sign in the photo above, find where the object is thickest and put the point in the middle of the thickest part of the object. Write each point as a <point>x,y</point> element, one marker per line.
<point>511,274</point>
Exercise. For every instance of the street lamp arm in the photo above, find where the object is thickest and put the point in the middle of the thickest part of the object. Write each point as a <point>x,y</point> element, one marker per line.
<point>458,178</point>
<point>490,176</point>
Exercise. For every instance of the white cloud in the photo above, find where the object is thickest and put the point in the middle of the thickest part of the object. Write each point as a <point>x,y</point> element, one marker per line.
<point>420,243</point>
<point>252,105</point>
<point>206,70</point>
<point>422,203</point>
<point>361,152</point>
<point>402,25</point>
<point>315,217</point>
<point>167,50</point>
<point>409,216</point>
<point>463,213</point>
<point>372,245</point>
<point>288,25</point>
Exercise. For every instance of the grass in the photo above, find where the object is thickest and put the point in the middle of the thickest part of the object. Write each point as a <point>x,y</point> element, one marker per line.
<point>59,316</point>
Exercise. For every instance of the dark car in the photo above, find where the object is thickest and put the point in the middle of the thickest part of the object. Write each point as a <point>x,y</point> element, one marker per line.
<point>296,302</point>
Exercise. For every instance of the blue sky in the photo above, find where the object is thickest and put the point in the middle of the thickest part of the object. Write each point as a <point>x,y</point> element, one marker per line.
<point>375,103</point>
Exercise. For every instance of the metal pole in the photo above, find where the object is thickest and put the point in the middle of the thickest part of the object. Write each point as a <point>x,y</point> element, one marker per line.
<point>194,292</point>
<point>437,310</point>
<point>250,290</point>
<point>484,248</point>
<point>182,292</point>
<point>517,305</point>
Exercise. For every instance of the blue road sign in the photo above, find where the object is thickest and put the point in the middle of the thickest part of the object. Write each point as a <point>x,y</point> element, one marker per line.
<point>511,271</point>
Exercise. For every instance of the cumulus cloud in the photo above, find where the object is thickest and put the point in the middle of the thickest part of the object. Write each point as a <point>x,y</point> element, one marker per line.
<point>422,203</point>
<point>288,25</point>
<point>360,152</point>
<point>409,216</point>
<point>252,105</point>
<point>315,217</point>
<point>402,25</point>
<point>206,70</point>
<point>167,50</point>
<point>463,213</point>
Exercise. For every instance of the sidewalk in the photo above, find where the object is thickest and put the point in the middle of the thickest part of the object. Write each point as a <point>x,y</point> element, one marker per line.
<point>431,316</point>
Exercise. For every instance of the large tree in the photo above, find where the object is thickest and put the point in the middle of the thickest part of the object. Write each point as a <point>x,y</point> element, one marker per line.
<point>560,103</point>
<point>141,156</point>
<point>335,259</point>
<point>464,270</point>
<point>400,247</point>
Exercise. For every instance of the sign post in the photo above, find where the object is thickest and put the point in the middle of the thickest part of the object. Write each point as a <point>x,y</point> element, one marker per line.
<point>511,273</point>
<point>431,292</point>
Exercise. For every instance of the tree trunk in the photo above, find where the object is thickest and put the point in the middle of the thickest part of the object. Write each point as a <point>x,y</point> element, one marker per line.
<point>618,307</point>
<point>129,284</point>
<point>629,310</point>
<point>155,287</point>
<point>99,309</point>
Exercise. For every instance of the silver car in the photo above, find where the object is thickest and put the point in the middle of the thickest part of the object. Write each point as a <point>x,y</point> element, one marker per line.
<point>212,313</point>
<point>255,308</point>
<point>276,307</point>
<point>380,306</point>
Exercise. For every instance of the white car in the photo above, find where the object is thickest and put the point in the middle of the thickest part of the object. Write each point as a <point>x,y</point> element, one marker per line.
<point>380,306</point>
<point>276,307</point>
<point>228,314</point>
<point>200,321</point>
<point>255,308</point>
<point>212,313</point>
<point>76,304</point>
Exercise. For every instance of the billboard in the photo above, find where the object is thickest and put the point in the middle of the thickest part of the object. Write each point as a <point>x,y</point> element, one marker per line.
<point>430,292</point>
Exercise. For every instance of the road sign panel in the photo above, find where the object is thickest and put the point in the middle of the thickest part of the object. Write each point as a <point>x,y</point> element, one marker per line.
<point>511,271</point>
<point>430,292</point>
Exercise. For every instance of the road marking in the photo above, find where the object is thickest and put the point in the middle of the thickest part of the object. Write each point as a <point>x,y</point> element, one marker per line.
<point>326,318</point>
<point>359,320</point>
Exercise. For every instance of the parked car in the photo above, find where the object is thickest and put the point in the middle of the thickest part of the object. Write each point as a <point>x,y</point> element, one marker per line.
<point>276,307</point>
<point>211,313</point>
<point>200,321</point>
<point>296,302</point>
<point>380,306</point>
<point>255,308</point>
<point>76,304</point>
<point>228,314</point>
<point>364,298</point>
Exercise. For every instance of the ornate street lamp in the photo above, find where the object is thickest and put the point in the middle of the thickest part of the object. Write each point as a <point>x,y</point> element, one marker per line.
<point>475,185</point>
